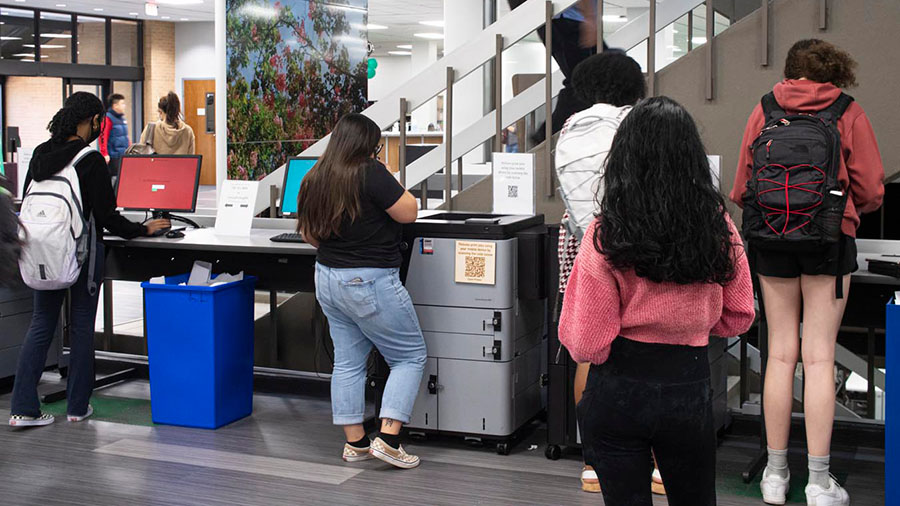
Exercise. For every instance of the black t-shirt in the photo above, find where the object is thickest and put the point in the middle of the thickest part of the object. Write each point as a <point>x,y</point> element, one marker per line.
<point>373,239</point>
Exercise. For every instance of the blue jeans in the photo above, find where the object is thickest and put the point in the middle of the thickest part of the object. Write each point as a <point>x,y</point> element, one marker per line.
<point>47,307</point>
<point>369,307</point>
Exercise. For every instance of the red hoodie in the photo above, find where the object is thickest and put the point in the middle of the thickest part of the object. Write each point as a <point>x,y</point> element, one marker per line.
<point>861,172</point>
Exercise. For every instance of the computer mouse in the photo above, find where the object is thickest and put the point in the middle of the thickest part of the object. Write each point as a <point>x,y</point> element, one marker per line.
<point>174,234</point>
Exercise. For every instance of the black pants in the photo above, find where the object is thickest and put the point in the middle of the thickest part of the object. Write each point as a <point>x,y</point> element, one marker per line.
<point>568,53</point>
<point>651,397</point>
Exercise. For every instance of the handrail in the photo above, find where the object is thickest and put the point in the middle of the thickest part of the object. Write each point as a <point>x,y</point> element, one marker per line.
<point>426,85</point>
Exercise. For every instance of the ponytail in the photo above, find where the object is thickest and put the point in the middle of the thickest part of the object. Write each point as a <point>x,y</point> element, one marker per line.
<point>80,107</point>
<point>171,106</point>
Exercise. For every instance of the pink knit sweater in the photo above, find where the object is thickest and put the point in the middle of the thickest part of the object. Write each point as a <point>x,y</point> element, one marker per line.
<point>602,303</point>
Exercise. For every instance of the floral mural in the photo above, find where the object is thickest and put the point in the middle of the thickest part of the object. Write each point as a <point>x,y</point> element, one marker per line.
<point>294,68</point>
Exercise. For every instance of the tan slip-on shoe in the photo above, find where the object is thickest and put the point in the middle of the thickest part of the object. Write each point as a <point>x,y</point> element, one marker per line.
<point>394,456</point>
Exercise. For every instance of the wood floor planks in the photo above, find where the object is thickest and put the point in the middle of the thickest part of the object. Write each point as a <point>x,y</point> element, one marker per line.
<point>94,463</point>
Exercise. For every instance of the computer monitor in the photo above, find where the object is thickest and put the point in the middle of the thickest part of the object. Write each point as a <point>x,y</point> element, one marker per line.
<point>159,183</point>
<point>297,168</point>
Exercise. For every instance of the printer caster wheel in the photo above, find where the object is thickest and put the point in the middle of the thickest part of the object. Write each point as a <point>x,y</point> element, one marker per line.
<point>553,452</point>
<point>503,448</point>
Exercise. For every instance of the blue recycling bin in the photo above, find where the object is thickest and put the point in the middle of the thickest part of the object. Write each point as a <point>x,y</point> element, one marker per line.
<point>200,351</point>
<point>892,405</point>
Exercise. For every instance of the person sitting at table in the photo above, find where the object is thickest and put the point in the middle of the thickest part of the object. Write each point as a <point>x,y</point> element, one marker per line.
<point>73,128</point>
<point>800,286</point>
<point>351,208</point>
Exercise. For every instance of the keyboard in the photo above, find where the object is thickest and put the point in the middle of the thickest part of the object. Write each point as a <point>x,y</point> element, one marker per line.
<point>288,238</point>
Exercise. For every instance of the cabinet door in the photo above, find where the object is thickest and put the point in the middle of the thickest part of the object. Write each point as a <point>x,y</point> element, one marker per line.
<point>425,412</point>
<point>476,397</point>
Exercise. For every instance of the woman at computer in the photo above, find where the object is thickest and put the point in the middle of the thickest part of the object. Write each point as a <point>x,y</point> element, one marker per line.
<point>351,208</point>
<point>660,270</point>
<point>170,135</point>
<point>74,127</point>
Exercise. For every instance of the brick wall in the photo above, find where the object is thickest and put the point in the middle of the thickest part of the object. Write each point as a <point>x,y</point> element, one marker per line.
<point>159,65</point>
<point>31,103</point>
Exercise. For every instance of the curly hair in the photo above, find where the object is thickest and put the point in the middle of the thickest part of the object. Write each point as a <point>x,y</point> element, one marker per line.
<point>660,214</point>
<point>81,106</point>
<point>610,77</point>
<point>822,62</point>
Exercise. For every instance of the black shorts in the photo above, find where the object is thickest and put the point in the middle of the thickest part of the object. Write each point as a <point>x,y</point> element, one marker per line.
<point>780,264</point>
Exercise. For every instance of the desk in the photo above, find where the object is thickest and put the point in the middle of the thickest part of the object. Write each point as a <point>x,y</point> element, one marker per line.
<point>866,301</point>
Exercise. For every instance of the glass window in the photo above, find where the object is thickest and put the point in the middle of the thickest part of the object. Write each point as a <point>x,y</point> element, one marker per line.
<point>698,33</point>
<point>16,30</point>
<point>130,91</point>
<point>55,37</point>
<point>722,23</point>
<point>91,40</point>
<point>124,43</point>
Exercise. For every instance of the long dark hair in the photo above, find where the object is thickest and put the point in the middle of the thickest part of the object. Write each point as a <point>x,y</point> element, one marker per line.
<point>79,107</point>
<point>171,106</point>
<point>330,191</point>
<point>661,215</point>
<point>822,62</point>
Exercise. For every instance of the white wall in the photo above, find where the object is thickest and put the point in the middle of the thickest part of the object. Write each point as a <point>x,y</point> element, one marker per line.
<point>392,72</point>
<point>195,53</point>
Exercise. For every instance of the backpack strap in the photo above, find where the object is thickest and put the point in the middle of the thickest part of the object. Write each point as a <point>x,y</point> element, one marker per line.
<point>837,108</point>
<point>770,107</point>
<point>92,258</point>
<point>151,134</point>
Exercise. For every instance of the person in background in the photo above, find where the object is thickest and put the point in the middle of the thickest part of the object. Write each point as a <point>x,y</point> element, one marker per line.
<point>613,82</point>
<point>351,208</point>
<point>662,268</point>
<point>114,137</point>
<point>574,40</point>
<point>171,135</point>
<point>74,127</point>
<point>801,286</point>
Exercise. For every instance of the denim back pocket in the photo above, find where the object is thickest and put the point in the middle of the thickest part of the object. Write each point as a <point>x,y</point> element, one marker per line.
<point>358,297</point>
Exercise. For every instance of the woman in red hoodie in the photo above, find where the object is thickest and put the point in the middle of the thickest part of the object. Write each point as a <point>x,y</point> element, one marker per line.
<point>660,270</point>
<point>801,286</point>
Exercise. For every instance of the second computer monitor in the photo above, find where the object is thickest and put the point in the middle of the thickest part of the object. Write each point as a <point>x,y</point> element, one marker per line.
<point>297,168</point>
<point>160,183</point>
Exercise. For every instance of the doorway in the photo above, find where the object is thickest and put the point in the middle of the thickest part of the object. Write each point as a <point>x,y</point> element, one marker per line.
<point>195,115</point>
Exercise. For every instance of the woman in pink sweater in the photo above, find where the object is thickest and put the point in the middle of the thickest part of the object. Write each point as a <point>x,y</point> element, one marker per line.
<point>662,268</point>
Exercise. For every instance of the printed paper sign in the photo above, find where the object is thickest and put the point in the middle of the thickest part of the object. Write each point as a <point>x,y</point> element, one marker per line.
<point>476,262</point>
<point>514,183</point>
<point>235,214</point>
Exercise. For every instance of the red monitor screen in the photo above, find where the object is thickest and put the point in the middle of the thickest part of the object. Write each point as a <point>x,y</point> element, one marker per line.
<point>159,183</point>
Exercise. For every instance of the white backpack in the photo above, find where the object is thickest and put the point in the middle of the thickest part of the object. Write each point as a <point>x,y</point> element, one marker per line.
<point>580,160</point>
<point>58,240</point>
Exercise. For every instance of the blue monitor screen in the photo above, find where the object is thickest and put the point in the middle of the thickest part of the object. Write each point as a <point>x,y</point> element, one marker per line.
<point>297,169</point>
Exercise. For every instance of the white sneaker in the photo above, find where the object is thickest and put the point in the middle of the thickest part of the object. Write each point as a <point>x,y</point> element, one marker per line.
<point>774,488</point>
<point>30,421</point>
<point>73,418</point>
<point>834,495</point>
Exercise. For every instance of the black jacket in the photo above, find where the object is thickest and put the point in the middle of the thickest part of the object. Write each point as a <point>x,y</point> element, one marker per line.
<point>97,194</point>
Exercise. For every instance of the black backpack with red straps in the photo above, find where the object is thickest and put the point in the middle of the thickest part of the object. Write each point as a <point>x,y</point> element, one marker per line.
<point>794,201</point>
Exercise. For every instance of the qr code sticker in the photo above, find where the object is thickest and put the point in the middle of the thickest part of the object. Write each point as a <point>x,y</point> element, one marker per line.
<point>512,192</point>
<point>475,267</point>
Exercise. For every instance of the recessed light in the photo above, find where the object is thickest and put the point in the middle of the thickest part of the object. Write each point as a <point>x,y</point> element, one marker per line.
<point>46,46</point>
<point>371,26</point>
<point>404,46</point>
<point>6,37</point>
<point>60,5</point>
<point>165,17</point>
<point>179,2</point>
<point>430,35</point>
<point>615,19</point>
<point>56,35</point>
<point>98,9</point>
<point>438,24</point>
<point>20,1</point>
<point>185,19</point>
<point>400,53</point>
<point>133,14</point>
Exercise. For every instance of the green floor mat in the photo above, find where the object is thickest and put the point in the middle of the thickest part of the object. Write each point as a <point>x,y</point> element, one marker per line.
<point>733,484</point>
<point>111,409</point>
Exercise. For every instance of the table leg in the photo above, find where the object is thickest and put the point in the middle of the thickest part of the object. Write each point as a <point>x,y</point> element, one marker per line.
<point>870,396</point>
<point>273,315</point>
<point>108,323</point>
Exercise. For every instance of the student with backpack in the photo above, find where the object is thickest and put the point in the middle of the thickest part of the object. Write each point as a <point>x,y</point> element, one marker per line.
<point>352,209</point>
<point>613,82</point>
<point>68,200</point>
<point>662,268</point>
<point>809,166</point>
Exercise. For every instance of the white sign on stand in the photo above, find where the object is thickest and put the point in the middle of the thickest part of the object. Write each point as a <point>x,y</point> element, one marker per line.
<point>715,166</point>
<point>236,202</point>
<point>514,188</point>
